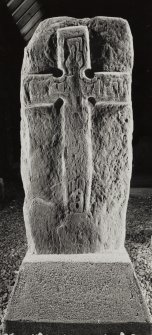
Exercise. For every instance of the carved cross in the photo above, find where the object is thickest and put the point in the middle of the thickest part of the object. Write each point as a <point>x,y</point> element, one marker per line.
<point>78,93</point>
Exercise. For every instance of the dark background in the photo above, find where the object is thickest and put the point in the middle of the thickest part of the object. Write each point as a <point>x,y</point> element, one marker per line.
<point>139,16</point>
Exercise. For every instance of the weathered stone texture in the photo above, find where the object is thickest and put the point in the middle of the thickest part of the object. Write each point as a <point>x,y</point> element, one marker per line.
<point>111,137</point>
<point>98,293</point>
<point>110,44</point>
<point>76,134</point>
<point>76,168</point>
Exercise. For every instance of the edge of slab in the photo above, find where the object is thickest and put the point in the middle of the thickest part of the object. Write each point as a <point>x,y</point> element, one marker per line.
<point>105,257</point>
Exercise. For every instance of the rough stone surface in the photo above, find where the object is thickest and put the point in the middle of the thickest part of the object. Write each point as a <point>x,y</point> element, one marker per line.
<point>76,134</point>
<point>66,292</point>
<point>110,44</point>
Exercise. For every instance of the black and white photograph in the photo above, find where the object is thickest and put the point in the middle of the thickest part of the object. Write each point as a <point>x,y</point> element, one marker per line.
<point>75,167</point>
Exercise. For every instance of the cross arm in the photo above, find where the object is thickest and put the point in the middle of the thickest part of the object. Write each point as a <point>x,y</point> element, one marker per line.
<point>39,90</point>
<point>111,87</point>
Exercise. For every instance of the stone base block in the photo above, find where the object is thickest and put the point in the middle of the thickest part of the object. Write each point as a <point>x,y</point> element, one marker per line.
<point>89,294</point>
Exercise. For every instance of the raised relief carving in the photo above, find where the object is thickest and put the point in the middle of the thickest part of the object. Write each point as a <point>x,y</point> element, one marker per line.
<point>75,58</point>
<point>82,143</point>
<point>76,191</point>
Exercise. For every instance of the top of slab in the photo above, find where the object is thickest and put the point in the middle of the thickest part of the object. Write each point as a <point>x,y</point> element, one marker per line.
<point>111,45</point>
<point>105,257</point>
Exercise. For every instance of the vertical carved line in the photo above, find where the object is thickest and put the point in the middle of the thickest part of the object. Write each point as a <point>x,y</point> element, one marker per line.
<point>64,184</point>
<point>89,156</point>
<point>60,59</point>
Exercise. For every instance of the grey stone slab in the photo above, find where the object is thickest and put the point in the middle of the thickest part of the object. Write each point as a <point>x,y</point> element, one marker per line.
<point>76,134</point>
<point>76,139</point>
<point>77,292</point>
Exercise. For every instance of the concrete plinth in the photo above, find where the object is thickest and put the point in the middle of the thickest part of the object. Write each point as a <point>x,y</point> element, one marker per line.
<point>77,294</point>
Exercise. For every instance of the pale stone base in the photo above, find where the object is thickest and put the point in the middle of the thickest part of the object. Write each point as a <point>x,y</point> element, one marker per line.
<point>77,294</point>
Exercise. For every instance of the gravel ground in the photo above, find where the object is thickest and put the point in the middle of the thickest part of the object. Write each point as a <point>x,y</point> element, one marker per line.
<point>13,240</point>
<point>138,238</point>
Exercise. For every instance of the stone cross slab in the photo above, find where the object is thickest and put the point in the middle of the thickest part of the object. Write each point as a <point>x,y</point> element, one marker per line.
<point>73,57</point>
<point>76,159</point>
<point>75,93</point>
